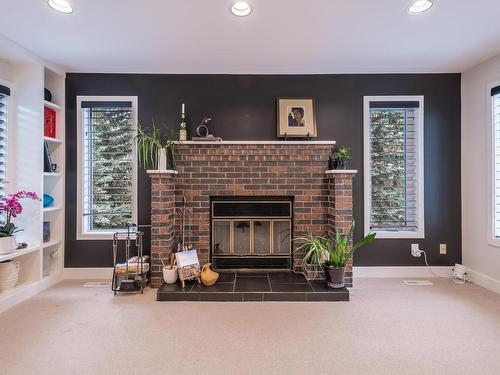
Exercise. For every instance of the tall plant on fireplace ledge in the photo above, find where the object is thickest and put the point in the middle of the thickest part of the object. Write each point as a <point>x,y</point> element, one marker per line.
<point>156,150</point>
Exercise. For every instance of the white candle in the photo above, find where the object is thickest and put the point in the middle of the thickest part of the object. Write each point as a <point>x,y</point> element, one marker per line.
<point>183,108</point>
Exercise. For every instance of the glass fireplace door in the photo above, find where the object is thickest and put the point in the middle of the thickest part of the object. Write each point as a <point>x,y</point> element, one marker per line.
<point>251,234</point>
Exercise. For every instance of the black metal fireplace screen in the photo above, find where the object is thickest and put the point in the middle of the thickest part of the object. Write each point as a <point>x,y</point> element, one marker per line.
<point>251,234</point>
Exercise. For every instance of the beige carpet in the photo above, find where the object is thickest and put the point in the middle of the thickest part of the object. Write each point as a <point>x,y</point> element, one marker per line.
<point>387,328</point>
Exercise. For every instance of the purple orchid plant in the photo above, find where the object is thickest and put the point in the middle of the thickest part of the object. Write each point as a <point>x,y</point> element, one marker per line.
<point>11,207</point>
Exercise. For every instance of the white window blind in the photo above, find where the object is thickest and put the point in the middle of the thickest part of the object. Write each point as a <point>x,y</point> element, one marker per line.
<point>108,167</point>
<point>4,93</point>
<point>393,167</point>
<point>495,96</point>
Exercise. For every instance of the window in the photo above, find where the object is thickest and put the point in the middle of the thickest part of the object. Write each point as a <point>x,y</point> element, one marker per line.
<point>107,165</point>
<point>393,137</point>
<point>495,119</point>
<point>4,94</point>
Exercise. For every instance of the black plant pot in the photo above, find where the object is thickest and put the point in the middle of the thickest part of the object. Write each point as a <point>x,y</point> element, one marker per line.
<point>343,164</point>
<point>335,276</point>
<point>333,162</point>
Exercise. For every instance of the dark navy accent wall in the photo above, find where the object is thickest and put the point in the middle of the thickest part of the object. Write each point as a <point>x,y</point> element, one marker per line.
<point>243,107</point>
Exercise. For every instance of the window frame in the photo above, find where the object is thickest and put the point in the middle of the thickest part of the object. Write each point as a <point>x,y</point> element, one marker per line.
<point>490,141</point>
<point>395,234</point>
<point>8,133</point>
<point>81,234</point>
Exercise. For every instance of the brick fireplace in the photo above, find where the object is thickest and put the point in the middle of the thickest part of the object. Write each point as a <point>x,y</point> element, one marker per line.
<point>322,200</point>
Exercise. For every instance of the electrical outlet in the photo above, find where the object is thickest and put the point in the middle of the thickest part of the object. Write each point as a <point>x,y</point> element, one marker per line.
<point>442,249</point>
<point>415,250</point>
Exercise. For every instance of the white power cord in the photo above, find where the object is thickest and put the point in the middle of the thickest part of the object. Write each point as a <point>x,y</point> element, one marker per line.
<point>453,278</point>
<point>430,269</point>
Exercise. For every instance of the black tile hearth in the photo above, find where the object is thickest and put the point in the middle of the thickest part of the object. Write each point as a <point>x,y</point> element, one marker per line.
<point>291,288</point>
<point>217,288</point>
<point>286,278</point>
<point>252,284</point>
<point>226,277</point>
<point>255,287</point>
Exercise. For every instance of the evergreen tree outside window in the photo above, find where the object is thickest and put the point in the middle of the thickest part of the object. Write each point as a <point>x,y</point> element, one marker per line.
<point>394,166</point>
<point>107,165</point>
<point>495,118</point>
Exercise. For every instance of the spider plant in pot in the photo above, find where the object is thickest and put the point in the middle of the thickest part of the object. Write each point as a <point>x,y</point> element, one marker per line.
<point>10,208</point>
<point>339,254</point>
<point>314,249</point>
<point>155,149</point>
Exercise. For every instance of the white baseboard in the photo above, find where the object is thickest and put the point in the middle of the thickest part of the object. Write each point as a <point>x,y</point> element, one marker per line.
<point>101,273</point>
<point>483,280</point>
<point>400,272</point>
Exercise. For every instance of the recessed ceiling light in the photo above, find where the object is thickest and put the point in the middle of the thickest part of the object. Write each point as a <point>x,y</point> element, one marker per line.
<point>419,6</point>
<point>61,6</point>
<point>241,9</point>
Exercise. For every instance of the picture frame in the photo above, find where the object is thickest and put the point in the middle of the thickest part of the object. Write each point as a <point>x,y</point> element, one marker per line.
<point>296,118</point>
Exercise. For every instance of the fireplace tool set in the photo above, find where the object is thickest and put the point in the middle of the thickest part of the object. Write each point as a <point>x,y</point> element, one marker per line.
<point>190,270</point>
<point>132,275</point>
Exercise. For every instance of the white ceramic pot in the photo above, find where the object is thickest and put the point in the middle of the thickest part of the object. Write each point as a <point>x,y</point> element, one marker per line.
<point>8,244</point>
<point>162,159</point>
<point>170,275</point>
<point>9,274</point>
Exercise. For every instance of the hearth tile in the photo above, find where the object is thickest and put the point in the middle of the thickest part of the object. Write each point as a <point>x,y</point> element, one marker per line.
<point>252,284</point>
<point>291,288</point>
<point>221,297</point>
<point>173,296</point>
<point>253,297</point>
<point>283,297</point>
<point>217,288</point>
<point>176,288</point>
<point>320,286</point>
<point>286,278</point>
<point>343,295</point>
<point>226,277</point>
<point>252,274</point>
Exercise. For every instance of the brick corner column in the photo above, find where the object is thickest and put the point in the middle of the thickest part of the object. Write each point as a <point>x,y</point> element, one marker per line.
<point>340,210</point>
<point>162,220</point>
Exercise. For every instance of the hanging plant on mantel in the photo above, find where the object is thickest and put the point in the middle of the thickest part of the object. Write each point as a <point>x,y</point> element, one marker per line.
<point>156,150</point>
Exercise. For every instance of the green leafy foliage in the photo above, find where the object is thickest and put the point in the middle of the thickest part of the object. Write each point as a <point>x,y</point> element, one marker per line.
<point>338,247</point>
<point>314,249</point>
<point>334,252</point>
<point>344,153</point>
<point>150,142</point>
<point>388,183</point>
<point>8,229</point>
<point>110,136</point>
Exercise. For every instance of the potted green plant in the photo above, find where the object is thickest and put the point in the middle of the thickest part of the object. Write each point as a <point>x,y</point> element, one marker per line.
<point>156,149</point>
<point>314,255</point>
<point>338,255</point>
<point>339,157</point>
<point>344,155</point>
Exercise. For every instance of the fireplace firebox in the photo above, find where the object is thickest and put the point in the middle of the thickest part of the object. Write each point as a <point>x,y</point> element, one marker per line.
<point>251,234</point>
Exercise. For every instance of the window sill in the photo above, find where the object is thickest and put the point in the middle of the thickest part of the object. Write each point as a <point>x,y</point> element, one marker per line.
<point>397,235</point>
<point>100,236</point>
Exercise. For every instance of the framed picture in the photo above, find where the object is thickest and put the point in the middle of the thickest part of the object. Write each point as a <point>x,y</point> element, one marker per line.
<point>189,265</point>
<point>296,117</point>
<point>187,258</point>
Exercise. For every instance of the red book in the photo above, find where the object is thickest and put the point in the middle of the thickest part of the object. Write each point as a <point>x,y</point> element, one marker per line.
<point>49,128</point>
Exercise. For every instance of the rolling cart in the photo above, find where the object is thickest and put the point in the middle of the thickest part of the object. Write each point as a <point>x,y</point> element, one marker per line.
<point>129,276</point>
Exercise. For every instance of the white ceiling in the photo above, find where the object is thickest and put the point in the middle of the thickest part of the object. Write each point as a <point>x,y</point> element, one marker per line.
<point>280,36</point>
